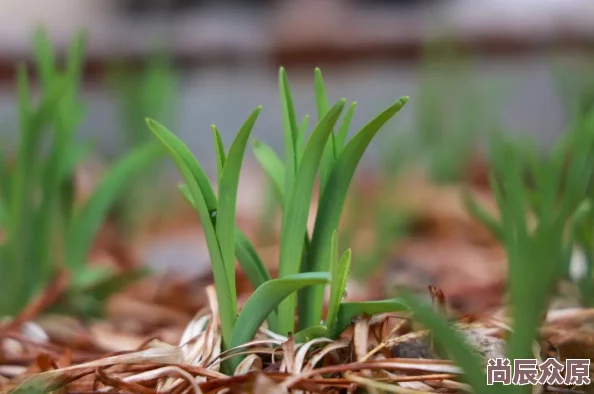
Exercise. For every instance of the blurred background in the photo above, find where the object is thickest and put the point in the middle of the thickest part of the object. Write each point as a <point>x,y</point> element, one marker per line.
<point>469,66</point>
<point>226,55</point>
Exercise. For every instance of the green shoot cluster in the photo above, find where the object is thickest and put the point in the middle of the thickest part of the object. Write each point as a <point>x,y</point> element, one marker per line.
<point>307,263</point>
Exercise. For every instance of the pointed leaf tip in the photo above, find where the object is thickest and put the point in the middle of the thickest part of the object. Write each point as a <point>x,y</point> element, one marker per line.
<point>150,121</point>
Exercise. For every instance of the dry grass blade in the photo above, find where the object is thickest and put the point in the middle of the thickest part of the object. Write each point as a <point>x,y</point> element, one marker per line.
<point>254,348</point>
<point>200,344</point>
<point>340,344</point>
<point>375,385</point>
<point>272,335</point>
<point>451,384</point>
<point>204,332</point>
<point>568,315</point>
<point>53,379</point>
<point>360,338</point>
<point>390,342</point>
<point>416,378</point>
<point>158,373</point>
<point>288,363</point>
<point>302,352</point>
<point>360,344</point>
<point>11,371</point>
<point>384,341</point>
<point>436,366</point>
<point>112,382</point>
<point>170,371</point>
<point>264,385</point>
<point>251,363</point>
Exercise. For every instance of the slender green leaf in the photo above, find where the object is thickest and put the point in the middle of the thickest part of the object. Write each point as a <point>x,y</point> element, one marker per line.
<point>350,310</point>
<point>3,213</point>
<point>245,252</point>
<point>187,194</point>
<point>328,156</point>
<point>75,155</point>
<point>18,185</point>
<point>74,63</point>
<point>49,232</point>
<point>34,187</point>
<point>289,127</point>
<point>330,209</point>
<point>193,175</point>
<point>343,130</point>
<point>339,269</point>
<point>25,186</point>
<point>273,166</point>
<point>219,150</point>
<point>227,202</point>
<point>250,261</point>
<point>322,104</point>
<point>266,297</point>
<point>301,138</point>
<point>85,224</point>
<point>295,213</point>
<point>198,173</point>
<point>310,333</point>
<point>44,56</point>
<point>460,351</point>
<point>479,213</point>
<point>91,277</point>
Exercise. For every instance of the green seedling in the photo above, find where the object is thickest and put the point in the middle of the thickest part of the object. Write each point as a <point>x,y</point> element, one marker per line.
<point>583,232</point>
<point>44,232</point>
<point>305,263</point>
<point>577,88</point>
<point>538,253</point>
<point>140,93</point>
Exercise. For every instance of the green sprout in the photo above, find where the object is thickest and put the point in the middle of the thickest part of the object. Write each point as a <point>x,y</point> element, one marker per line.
<point>577,88</point>
<point>44,232</point>
<point>306,264</point>
<point>538,252</point>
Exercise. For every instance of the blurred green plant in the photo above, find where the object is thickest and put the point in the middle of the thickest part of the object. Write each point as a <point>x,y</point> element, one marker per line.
<point>150,91</point>
<point>576,85</point>
<point>535,227</point>
<point>44,232</point>
<point>452,111</point>
<point>305,263</point>
<point>389,225</point>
